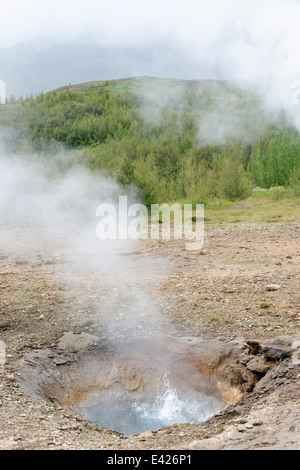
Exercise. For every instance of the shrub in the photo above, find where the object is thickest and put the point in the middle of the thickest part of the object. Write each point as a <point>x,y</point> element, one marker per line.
<point>295,181</point>
<point>233,182</point>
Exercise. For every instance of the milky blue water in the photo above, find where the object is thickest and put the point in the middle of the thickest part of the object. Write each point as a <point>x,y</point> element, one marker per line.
<point>169,407</point>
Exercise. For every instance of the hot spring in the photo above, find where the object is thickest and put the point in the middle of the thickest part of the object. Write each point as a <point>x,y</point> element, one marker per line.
<point>133,412</point>
<point>142,384</point>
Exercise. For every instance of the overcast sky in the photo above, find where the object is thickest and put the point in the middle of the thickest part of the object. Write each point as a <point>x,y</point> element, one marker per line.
<point>116,20</point>
<point>253,34</point>
<point>245,39</point>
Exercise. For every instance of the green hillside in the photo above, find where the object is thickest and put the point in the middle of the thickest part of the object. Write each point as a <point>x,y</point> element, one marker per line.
<point>174,139</point>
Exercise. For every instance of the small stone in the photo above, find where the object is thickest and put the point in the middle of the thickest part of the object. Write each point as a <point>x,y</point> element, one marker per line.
<point>60,361</point>
<point>272,287</point>
<point>257,423</point>
<point>79,419</point>
<point>10,377</point>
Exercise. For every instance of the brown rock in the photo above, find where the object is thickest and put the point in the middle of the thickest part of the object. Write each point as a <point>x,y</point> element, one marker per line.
<point>245,359</point>
<point>254,346</point>
<point>258,364</point>
<point>239,375</point>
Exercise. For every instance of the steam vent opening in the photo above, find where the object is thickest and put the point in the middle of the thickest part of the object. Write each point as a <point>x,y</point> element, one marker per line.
<point>136,385</point>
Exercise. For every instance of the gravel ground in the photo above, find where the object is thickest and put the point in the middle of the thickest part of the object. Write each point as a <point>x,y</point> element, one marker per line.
<point>244,283</point>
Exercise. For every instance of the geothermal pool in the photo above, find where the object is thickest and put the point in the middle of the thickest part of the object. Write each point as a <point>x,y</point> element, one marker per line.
<point>145,384</point>
<point>130,414</point>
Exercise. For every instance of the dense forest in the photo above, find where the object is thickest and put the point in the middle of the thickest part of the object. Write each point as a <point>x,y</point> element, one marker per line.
<point>172,139</point>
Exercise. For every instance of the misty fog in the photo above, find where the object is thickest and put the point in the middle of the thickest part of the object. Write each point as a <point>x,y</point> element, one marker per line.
<point>41,205</point>
<point>57,43</point>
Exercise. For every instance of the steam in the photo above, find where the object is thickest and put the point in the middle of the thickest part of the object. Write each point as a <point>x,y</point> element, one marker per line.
<point>51,200</point>
<point>220,110</point>
<point>30,199</point>
<point>251,41</point>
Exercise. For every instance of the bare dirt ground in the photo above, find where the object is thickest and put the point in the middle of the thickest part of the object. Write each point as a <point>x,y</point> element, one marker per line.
<point>221,292</point>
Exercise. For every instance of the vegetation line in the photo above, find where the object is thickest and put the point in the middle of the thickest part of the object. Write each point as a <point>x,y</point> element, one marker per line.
<point>175,140</point>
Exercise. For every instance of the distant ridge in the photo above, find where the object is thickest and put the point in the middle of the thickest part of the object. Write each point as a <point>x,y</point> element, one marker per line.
<point>148,81</point>
<point>41,65</point>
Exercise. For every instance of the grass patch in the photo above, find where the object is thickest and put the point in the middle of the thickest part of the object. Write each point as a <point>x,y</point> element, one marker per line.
<point>264,305</point>
<point>214,318</point>
<point>261,206</point>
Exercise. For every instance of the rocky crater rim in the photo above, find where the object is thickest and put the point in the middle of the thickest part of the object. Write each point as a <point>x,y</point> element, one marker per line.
<point>81,365</point>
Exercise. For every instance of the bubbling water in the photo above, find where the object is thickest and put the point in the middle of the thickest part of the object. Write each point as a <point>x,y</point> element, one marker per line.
<point>174,407</point>
<point>169,406</point>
